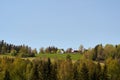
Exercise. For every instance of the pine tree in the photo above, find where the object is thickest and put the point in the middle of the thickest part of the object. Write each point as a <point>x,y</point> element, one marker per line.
<point>98,71</point>
<point>105,73</point>
<point>34,72</point>
<point>84,72</point>
<point>47,70</point>
<point>7,75</point>
<point>54,71</point>
<point>75,72</point>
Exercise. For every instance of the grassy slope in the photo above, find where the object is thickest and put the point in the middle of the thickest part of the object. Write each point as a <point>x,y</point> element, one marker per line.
<point>51,56</point>
<point>60,56</point>
<point>74,57</point>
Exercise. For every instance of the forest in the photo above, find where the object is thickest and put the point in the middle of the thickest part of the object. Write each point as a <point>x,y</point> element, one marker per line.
<point>98,63</point>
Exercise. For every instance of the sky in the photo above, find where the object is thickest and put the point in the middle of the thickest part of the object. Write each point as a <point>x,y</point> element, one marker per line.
<point>60,23</point>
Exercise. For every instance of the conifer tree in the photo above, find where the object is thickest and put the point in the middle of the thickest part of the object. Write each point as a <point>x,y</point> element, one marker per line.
<point>47,70</point>
<point>34,73</point>
<point>98,71</point>
<point>105,73</point>
<point>84,72</point>
<point>7,75</point>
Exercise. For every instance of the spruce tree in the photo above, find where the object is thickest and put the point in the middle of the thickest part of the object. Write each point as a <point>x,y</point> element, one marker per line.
<point>84,72</point>
<point>34,72</point>
<point>47,70</point>
<point>98,71</point>
<point>7,75</point>
<point>105,73</point>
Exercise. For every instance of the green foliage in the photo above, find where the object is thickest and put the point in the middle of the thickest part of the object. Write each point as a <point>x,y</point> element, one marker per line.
<point>65,70</point>
<point>51,50</point>
<point>113,69</point>
<point>34,72</point>
<point>44,69</point>
<point>84,72</point>
<point>69,50</point>
<point>99,63</point>
<point>105,73</point>
<point>28,73</point>
<point>76,72</point>
<point>42,51</point>
<point>13,52</point>
<point>7,75</point>
<point>18,71</point>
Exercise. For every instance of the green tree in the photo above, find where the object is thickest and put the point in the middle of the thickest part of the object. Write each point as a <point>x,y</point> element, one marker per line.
<point>113,67</point>
<point>13,52</point>
<point>54,71</point>
<point>81,49</point>
<point>105,73</point>
<point>76,72</point>
<point>18,71</point>
<point>47,70</point>
<point>42,50</point>
<point>84,72</point>
<point>69,50</point>
<point>28,70</point>
<point>98,71</point>
<point>3,51</point>
<point>34,51</point>
<point>117,55</point>
<point>100,55</point>
<point>109,51</point>
<point>34,72</point>
<point>7,75</point>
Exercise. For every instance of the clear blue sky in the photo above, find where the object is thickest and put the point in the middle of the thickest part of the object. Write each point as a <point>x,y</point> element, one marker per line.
<point>62,23</point>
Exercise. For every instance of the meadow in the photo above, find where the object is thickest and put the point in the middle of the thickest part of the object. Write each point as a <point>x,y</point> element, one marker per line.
<point>60,56</point>
<point>74,57</point>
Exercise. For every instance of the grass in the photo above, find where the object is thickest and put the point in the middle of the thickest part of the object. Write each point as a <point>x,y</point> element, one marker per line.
<point>74,57</point>
<point>51,56</point>
<point>6,55</point>
<point>60,56</point>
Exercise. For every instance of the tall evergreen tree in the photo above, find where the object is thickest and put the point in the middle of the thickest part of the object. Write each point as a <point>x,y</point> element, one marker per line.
<point>98,71</point>
<point>75,72</point>
<point>105,73</point>
<point>84,72</point>
<point>34,73</point>
<point>47,70</point>
<point>7,75</point>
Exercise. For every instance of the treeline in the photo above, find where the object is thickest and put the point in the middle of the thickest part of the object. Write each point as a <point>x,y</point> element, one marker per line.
<point>44,69</point>
<point>98,63</point>
<point>22,50</point>
<point>26,51</point>
<point>100,52</point>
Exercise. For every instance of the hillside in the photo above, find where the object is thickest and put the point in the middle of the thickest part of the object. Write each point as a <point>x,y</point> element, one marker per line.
<point>51,63</point>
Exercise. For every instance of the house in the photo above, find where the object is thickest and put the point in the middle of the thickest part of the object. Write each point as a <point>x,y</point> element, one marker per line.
<point>75,51</point>
<point>60,51</point>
